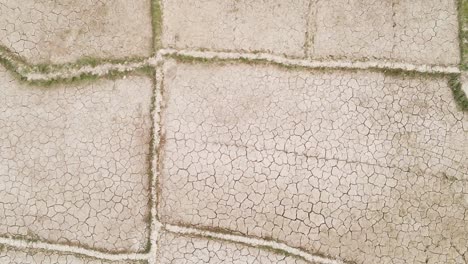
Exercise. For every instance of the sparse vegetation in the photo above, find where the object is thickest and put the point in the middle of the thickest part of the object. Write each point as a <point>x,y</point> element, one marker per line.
<point>458,94</point>
<point>261,247</point>
<point>221,61</point>
<point>463,32</point>
<point>20,69</point>
<point>83,62</point>
<point>149,218</point>
<point>156,18</point>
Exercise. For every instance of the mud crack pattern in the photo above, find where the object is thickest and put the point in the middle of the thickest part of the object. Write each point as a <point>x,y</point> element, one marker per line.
<point>218,131</point>
<point>362,165</point>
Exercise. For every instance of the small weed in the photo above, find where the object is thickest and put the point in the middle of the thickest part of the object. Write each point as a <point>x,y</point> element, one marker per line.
<point>191,59</point>
<point>42,68</point>
<point>147,70</point>
<point>277,251</point>
<point>31,236</point>
<point>13,63</point>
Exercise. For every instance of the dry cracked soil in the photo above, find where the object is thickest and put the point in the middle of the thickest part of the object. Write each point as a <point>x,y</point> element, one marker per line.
<point>233,131</point>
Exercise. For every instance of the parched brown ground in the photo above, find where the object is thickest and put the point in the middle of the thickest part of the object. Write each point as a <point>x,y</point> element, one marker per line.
<point>49,31</point>
<point>362,165</point>
<point>180,157</point>
<point>74,162</point>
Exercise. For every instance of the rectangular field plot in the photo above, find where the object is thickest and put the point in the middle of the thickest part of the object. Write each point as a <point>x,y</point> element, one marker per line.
<point>73,162</point>
<point>336,162</point>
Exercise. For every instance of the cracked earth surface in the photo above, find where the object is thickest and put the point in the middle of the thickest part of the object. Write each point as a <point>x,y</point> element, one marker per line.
<point>189,249</point>
<point>63,31</point>
<point>217,131</point>
<point>74,162</point>
<point>406,30</point>
<point>12,256</point>
<point>315,159</point>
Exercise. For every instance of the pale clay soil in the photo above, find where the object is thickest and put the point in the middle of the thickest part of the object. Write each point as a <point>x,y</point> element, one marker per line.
<point>13,256</point>
<point>235,161</point>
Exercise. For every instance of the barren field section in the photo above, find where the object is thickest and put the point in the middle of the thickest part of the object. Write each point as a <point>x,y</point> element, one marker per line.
<point>233,131</point>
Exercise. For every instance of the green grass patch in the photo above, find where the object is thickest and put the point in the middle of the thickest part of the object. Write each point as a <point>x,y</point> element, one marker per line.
<point>45,68</point>
<point>278,251</point>
<point>463,32</point>
<point>13,63</point>
<point>188,59</point>
<point>191,59</point>
<point>156,20</point>
<point>90,77</point>
<point>149,218</point>
<point>458,94</point>
<point>83,78</point>
<point>20,69</point>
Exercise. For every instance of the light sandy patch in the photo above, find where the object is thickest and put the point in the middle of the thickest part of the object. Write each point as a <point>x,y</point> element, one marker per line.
<point>353,29</point>
<point>173,248</point>
<point>73,162</point>
<point>63,31</point>
<point>358,165</point>
<point>274,26</point>
<point>426,31</point>
<point>14,256</point>
<point>420,32</point>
